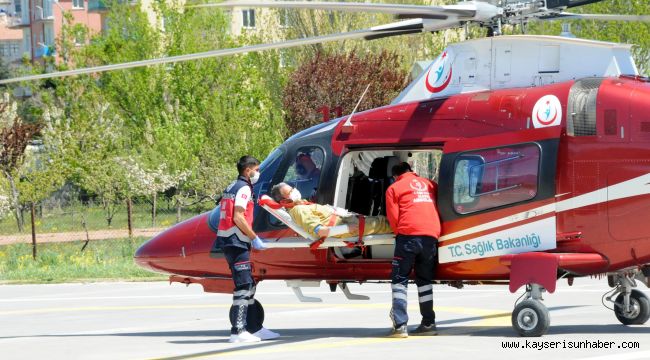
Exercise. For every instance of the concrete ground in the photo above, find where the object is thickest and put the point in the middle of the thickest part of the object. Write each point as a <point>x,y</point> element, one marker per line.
<point>156,320</point>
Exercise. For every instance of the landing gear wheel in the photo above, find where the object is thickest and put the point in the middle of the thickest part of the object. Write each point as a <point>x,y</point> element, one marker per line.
<point>530,318</point>
<point>254,317</point>
<point>639,308</point>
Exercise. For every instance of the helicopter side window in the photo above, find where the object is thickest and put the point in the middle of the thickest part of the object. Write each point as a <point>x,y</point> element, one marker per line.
<point>490,178</point>
<point>304,172</point>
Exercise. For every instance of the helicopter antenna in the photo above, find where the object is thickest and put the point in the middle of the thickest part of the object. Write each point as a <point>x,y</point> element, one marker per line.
<point>348,122</point>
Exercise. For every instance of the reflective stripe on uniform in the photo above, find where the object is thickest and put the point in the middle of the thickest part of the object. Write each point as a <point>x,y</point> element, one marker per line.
<point>398,287</point>
<point>240,302</point>
<point>241,293</point>
<point>426,298</point>
<point>234,231</point>
<point>424,288</point>
<point>399,296</point>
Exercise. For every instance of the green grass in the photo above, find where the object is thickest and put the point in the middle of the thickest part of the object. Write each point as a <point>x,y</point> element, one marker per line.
<point>64,262</point>
<point>70,218</point>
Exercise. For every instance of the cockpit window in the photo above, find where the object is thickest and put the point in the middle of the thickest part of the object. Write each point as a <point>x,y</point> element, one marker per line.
<point>268,168</point>
<point>304,172</point>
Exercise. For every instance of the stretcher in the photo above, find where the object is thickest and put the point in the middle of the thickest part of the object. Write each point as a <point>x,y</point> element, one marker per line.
<point>305,239</point>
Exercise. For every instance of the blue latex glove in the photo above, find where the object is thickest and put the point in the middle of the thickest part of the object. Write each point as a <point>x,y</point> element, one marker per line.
<point>258,243</point>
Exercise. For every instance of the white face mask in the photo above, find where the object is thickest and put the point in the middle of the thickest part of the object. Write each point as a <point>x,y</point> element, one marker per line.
<point>254,177</point>
<point>295,195</point>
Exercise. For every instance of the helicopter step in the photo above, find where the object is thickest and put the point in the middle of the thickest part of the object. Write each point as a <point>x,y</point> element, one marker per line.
<point>630,305</point>
<point>297,285</point>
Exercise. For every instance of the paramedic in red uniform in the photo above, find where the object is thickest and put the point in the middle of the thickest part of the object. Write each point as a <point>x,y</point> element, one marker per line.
<point>235,236</point>
<point>413,216</point>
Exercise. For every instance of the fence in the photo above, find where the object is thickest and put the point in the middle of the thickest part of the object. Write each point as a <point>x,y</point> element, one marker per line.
<point>93,221</point>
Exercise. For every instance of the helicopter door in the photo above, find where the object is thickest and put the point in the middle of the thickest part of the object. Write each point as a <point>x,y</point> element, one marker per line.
<point>496,195</point>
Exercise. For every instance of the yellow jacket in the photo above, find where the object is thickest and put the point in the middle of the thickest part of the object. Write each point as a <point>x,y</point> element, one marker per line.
<point>310,216</point>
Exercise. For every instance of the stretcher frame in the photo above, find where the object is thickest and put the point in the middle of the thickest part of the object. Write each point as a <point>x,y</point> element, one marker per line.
<point>304,239</point>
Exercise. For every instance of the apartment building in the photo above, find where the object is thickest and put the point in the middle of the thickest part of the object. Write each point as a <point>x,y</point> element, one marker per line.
<point>11,40</point>
<point>41,22</point>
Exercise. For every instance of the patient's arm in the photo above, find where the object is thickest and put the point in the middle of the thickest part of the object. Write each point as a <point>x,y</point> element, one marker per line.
<point>323,231</point>
<point>311,216</point>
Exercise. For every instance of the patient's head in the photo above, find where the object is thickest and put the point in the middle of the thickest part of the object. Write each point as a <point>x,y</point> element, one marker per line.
<point>284,193</point>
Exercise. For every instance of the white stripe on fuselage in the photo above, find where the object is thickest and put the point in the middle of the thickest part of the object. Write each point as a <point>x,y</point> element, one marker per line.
<point>629,188</point>
<point>510,219</point>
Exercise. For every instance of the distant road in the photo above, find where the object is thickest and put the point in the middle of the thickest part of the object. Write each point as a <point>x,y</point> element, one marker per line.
<point>78,236</point>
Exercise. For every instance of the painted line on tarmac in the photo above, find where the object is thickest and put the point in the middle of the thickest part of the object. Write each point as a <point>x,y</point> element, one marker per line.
<point>488,317</point>
<point>200,296</point>
<point>287,348</point>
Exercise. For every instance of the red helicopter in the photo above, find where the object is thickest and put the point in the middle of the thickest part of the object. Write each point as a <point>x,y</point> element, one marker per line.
<point>540,146</point>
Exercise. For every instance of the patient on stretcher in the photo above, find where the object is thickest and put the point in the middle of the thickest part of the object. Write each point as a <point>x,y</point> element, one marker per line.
<point>324,220</point>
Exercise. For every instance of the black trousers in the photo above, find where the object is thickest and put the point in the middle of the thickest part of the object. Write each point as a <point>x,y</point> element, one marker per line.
<point>419,253</point>
<point>240,267</point>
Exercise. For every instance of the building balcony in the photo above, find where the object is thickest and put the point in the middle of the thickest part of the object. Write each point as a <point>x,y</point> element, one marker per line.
<point>18,22</point>
<point>44,13</point>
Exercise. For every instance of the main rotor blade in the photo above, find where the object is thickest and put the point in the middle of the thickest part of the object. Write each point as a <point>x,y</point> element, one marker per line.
<point>468,10</point>
<point>600,17</point>
<point>394,9</point>
<point>392,29</point>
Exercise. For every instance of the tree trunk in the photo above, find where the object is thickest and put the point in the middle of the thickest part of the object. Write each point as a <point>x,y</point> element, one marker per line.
<point>153,210</point>
<point>109,212</point>
<point>33,212</point>
<point>129,217</point>
<point>178,211</point>
<point>15,202</point>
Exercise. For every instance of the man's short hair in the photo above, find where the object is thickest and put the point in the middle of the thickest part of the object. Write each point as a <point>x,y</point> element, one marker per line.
<point>401,168</point>
<point>246,162</point>
<point>276,194</point>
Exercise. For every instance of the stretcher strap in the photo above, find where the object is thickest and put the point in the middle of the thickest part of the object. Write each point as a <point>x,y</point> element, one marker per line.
<point>362,230</point>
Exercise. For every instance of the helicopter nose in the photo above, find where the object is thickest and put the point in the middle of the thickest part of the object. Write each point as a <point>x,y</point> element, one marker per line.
<point>165,251</point>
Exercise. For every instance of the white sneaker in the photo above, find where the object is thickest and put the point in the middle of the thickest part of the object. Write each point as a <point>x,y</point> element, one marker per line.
<point>266,334</point>
<point>244,337</point>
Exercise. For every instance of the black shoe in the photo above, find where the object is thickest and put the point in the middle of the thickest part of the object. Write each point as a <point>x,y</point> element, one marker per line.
<point>399,332</point>
<point>425,330</point>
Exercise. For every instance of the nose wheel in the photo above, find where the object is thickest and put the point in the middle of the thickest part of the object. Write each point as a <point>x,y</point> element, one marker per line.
<point>636,313</point>
<point>531,318</point>
<point>631,306</point>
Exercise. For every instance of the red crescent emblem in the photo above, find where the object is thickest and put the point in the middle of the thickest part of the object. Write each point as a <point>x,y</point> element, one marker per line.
<point>545,123</point>
<point>434,89</point>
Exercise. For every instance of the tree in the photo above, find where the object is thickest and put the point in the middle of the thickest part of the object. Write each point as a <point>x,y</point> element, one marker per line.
<point>15,136</point>
<point>195,117</point>
<point>339,80</point>
<point>5,206</point>
<point>39,177</point>
<point>4,71</point>
<point>86,138</point>
<point>148,182</point>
